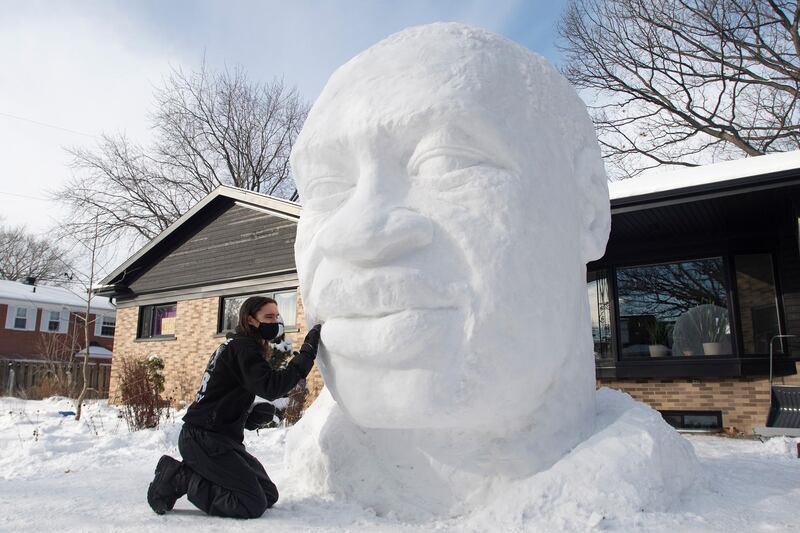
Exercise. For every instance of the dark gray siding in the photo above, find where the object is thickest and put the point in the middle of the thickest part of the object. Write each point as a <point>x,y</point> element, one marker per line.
<point>235,243</point>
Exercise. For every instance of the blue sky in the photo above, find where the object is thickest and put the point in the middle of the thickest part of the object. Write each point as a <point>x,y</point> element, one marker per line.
<point>71,70</point>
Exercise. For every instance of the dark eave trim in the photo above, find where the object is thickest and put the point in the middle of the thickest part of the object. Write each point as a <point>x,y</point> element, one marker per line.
<point>775,180</point>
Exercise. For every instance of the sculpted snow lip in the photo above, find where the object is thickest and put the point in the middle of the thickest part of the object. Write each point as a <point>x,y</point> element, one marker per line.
<point>397,340</point>
<point>379,294</point>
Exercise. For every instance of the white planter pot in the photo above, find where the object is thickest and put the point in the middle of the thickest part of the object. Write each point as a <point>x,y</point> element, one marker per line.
<point>658,350</point>
<point>712,348</point>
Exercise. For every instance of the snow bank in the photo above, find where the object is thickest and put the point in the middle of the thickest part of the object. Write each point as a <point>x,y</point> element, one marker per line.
<point>43,440</point>
<point>92,476</point>
<point>632,462</point>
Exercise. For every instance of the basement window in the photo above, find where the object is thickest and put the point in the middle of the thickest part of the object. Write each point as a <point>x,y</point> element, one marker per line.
<point>694,421</point>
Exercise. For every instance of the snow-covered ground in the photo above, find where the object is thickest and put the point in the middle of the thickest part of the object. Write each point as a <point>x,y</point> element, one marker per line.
<point>59,475</point>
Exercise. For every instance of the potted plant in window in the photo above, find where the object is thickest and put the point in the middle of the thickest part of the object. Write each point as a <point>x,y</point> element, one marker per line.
<point>713,328</point>
<point>659,339</point>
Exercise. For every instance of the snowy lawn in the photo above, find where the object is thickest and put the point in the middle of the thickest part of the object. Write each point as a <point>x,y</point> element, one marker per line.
<point>56,474</point>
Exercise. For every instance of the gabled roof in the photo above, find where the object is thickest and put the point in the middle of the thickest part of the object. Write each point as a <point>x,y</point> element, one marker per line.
<point>254,200</point>
<point>729,177</point>
<point>14,292</point>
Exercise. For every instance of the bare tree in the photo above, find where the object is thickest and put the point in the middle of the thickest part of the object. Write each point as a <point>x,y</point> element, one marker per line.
<point>212,128</point>
<point>684,82</point>
<point>93,247</point>
<point>24,255</point>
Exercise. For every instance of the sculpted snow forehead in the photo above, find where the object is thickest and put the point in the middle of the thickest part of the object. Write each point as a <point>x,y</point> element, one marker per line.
<point>421,68</point>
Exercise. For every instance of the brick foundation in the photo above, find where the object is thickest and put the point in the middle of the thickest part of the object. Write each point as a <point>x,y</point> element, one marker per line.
<point>744,402</point>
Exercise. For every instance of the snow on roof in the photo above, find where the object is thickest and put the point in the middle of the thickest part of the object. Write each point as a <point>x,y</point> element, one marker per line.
<point>653,182</point>
<point>17,292</point>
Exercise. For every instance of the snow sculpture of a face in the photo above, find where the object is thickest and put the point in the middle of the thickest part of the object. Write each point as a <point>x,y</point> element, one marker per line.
<point>453,193</point>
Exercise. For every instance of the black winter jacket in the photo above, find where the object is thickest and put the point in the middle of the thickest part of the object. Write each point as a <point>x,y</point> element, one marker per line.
<point>235,374</point>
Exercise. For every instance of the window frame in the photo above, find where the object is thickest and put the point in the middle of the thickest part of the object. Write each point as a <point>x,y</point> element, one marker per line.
<point>140,323</point>
<point>11,316</point>
<point>732,303</point>
<point>612,314</point>
<point>44,321</point>
<point>738,363</point>
<point>269,294</point>
<point>775,258</point>
<point>683,413</point>
<point>99,323</point>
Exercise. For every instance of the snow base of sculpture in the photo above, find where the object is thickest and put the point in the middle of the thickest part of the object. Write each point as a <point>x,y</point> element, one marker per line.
<point>633,461</point>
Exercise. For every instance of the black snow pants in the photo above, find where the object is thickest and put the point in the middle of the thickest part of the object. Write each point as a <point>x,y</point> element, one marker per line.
<point>226,480</point>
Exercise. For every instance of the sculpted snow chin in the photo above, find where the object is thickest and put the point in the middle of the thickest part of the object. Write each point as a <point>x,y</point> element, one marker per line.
<point>453,192</point>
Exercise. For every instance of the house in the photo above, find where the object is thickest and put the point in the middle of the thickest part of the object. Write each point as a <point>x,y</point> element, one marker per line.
<point>179,295</point>
<point>41,322</point>
<point>700,275</point>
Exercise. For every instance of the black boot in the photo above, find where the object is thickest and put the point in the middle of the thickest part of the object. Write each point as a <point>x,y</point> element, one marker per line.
<point>169,484</point>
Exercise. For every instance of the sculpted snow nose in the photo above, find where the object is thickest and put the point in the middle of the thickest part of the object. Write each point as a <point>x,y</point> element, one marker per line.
<point>376,236</point>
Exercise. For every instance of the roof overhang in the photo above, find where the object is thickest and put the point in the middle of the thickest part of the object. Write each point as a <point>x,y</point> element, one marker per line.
<point>706,191</point>
<point>728,178</point>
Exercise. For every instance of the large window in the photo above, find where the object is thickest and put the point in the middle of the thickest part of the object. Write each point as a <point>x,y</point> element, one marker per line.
<point>758,305</point>
<point>677,309</point>
<point>287,308</point>
<point>600,313</point>
<point>157,321</point>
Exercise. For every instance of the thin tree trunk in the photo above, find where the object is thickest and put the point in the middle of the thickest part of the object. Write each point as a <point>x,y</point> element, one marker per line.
<point>86,325</point>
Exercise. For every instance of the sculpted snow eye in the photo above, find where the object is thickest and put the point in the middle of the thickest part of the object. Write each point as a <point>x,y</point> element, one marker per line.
<point>327,193</point>
<point>440,167</point>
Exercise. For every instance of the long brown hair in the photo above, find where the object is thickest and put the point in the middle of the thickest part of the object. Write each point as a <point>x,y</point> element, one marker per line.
<point>248,309</point>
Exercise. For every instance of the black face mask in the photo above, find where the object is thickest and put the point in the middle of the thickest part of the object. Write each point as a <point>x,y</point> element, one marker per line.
<point>270,331</point>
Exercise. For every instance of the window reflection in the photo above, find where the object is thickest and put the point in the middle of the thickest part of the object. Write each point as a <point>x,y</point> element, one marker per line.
<point>757,302</point>
<point>674,309</point>
<point>599,310</point>
<point>287,308</point>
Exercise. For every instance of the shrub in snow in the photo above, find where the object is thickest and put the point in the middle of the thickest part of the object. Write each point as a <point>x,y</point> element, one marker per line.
<point>141,383</point>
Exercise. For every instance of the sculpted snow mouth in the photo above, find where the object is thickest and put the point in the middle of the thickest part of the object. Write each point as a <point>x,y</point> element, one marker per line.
<point>401,339</point>
<point>381,294</point>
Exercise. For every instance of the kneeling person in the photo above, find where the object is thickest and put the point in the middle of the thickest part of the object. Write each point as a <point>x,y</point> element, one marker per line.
<point>217,474</point>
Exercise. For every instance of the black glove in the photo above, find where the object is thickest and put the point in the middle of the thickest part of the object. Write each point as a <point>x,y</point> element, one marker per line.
<point>311,342</point>
<point>262,415</point>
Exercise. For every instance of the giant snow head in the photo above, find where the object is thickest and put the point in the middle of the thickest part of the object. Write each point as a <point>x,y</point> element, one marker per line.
<point>453,192</point>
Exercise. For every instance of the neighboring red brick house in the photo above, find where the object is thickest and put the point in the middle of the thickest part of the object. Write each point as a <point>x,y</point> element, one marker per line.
<point>40,322</point>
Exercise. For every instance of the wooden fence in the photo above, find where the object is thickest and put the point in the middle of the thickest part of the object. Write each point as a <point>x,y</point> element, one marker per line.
<point>40,379</point>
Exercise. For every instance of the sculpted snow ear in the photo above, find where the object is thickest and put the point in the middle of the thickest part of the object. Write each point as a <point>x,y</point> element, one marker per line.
<point>594,202</point>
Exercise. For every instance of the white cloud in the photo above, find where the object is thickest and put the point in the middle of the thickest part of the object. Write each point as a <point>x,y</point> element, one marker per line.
<point>69,71</point>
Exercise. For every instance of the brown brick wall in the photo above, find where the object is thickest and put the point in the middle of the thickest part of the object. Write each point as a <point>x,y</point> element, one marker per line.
<point>186,355</point>
<point>744,402</point>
